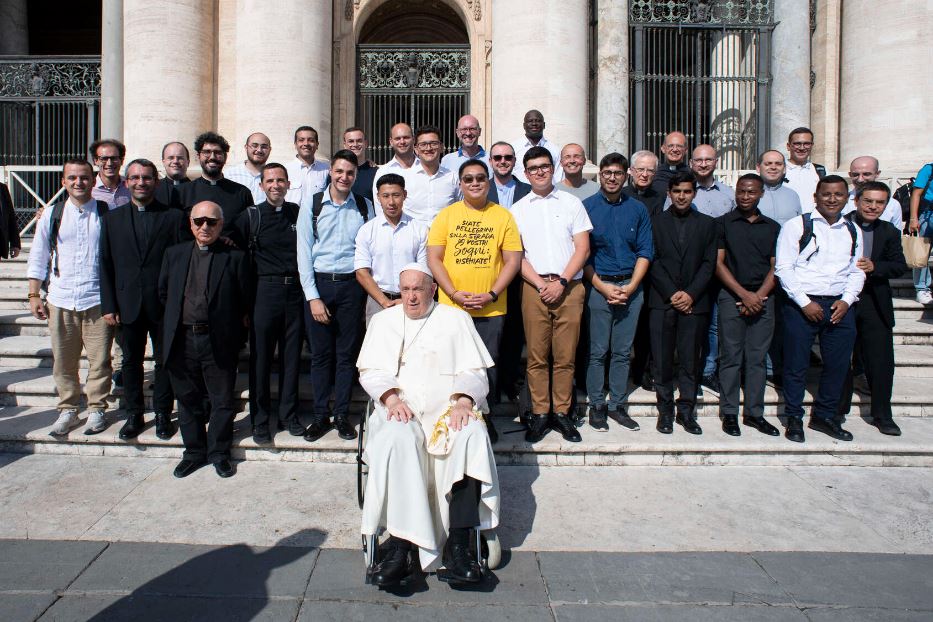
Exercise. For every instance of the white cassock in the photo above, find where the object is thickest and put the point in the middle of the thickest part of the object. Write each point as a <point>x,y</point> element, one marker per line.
<point>428,360</point>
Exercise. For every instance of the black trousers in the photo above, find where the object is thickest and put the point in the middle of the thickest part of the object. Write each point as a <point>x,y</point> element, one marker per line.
<point>490,331</point>
<point>277,323</point>
<point>196,375</point>
<point>510,374</point>
<point>134,353</point>
<point>334,346</point>
<point>874,341</point>
<point>675,332</point>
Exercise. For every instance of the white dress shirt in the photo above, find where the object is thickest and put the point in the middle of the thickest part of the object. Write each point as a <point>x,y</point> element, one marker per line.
<point>825,267</point>
<point>547,225</point>
<point>77,286</point>
<point>242,175</point>
<point>386,249</point>
<point>522,146</point>
<point>892,211</point>
<point>392,166</point>
<point>305,181</point>
<point>802,179</point>
<point>429,194</point>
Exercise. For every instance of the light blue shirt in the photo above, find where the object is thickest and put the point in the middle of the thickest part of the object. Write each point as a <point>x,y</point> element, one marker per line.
<point>333,251</point>
<point>506,193</point>
<point>454,159</point>
<point>715,200</point>
<point>780,203</point>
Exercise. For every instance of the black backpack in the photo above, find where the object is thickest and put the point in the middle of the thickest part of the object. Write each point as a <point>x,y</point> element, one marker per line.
<point>255,222</point>
<point>55,222</point>
<point>807,234</point>
<point>317,204</point>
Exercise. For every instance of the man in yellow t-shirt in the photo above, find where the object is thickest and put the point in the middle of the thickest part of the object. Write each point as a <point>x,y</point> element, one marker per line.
<point>474,251</point>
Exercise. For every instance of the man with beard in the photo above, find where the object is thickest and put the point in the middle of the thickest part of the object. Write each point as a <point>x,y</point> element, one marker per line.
<point>249,173</point>
<point>306,174</point>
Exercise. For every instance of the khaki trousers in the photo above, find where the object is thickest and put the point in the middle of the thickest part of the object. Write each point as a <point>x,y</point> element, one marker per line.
<point>71,331</point>
<point>552,330</point>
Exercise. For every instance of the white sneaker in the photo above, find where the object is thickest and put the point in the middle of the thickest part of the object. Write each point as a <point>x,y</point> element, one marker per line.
<point>96,423</point>
<point>67,420</point>
<point>924,297</point>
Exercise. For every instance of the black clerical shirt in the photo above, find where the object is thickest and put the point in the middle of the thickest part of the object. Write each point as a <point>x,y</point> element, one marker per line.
<point>749,246</point>
<point>168,191</point>
<point>276,252</point>
<point>194,310</point>
<point>233,199</point>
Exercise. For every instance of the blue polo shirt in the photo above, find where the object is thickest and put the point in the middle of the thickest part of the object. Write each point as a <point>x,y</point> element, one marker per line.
<point>621,234</point>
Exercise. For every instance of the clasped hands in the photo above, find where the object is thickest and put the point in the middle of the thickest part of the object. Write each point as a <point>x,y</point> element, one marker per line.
<point>398,410</point>
<point>683,302</point>
<point>471,301</point>
<point>616,294</point>
<point>751,303</point>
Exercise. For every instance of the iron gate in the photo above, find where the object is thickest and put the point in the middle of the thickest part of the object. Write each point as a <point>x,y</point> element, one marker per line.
<point>414,84</point>
<point>702,68</point>
<point>49,112</point>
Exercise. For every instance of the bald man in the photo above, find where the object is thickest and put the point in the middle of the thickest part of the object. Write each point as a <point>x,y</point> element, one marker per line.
<point>713,198</point>
<point>249,172</point>
<point>468,133</point>
<point>674,151</point>
<point>862,170</point>
<point>402,140</point>
<point>533,124</point>
<point>572,160</point>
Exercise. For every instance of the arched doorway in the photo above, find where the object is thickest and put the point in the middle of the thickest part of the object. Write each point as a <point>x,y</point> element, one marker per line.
<point>413,66</point>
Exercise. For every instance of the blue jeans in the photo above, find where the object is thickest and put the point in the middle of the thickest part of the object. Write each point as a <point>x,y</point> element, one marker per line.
<point>612,330</point>
<point>712,346</point>
<point>922,275</point>
<point>836,343</point>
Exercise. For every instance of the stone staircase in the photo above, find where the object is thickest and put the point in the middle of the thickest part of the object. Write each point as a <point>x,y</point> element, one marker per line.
<point>28,398</point>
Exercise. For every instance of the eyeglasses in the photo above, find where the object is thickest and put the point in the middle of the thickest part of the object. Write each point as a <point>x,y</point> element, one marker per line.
<point>432,144</point>
<point>140,178</point>
<point>109,158</point>
<point>802,144</point>
<point>542,169</point>
<point>471,179</point>
<point>468,129</point>
<point>212,152</point>
<point>259,146</point>
<point>200,221</point>
<point>611,174</point>
<point>704,160</point>
<point>645,171</point>
<point>500,158</point>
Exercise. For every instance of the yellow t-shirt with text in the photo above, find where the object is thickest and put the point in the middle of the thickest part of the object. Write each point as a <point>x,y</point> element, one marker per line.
<point>473,242</point>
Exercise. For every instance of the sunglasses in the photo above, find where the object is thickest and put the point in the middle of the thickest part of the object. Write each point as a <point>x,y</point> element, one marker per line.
<point>499,158</point>
<point>469,179</point>
<point>202,220</point>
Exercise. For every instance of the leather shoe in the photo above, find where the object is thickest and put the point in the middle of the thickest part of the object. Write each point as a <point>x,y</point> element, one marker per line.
<point>165,429</point>
<point>187,467</point>
<point>689,424</point>
<point>295,427</point>
<point>794,430</point>
<point>730,425</point>
<point>711,382</point>
<point>133,427</point>
<point>538,428</point>
<point>563,424</point>
<point>830,428</point>
<point>317,429</point>
<point>647,382</point>
<point>598,418</point>
<point>224,468</point>
<point>665,424</point>
<point>345,429</point>
<point>491,429</point>
<point>394,567</point>
<point>761,425</point>
<point>460,564</point>
<point>261,435</point>
<point>888,427</point>
<point>620,416</point>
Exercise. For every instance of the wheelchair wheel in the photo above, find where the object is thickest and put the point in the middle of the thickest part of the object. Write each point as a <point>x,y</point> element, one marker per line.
<point>493,549</point>
<point>362,469</point>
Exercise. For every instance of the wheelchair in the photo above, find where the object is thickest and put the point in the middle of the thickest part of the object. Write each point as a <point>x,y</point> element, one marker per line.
<point>485,545</point>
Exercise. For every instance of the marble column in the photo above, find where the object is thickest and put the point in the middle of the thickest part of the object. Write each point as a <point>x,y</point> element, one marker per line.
<point>111,70</point>
<point>612,80</point>
<point>168,73</point>
<point>731,101</point>
<point>283,72</point>
<point>886,98</point>
<point>824,98</point>
<point>14,28</point>
<point>539,60</point>
<point>790,68</point>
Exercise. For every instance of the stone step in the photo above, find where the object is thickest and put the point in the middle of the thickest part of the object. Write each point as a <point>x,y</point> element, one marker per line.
<point>26,430</point>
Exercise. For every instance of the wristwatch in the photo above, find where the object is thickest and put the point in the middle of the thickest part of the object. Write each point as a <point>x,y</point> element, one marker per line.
<point>495,296</point>
<point>562,281</point>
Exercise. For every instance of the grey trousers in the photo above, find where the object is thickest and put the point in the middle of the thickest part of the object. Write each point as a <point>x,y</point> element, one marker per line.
<point>743,342</point>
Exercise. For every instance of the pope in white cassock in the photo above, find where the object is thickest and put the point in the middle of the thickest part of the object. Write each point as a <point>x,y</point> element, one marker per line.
<point>432,473</point>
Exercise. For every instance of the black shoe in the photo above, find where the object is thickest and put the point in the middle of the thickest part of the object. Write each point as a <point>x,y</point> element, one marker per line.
<point>777,381</point>
<point>794,430</point>
<point>187,467</point>
<point>730,425</point>
<point>563,424</point>
<point>887,427</point>
<point>711,382</point>
<point>620,416</point>
<point>665,424</point>
<point>761,425</point>
<point>577,417</point>
<point>118,378</point>
<point>133,427</point>
<point>460,564</point>
<point>689,424</point>
<point>538,427</point>
<point>345,429</point>
<point>491,429</point>
<point>598,415</point>
<point>165,429</point>
<point>295,427</point>
<point>317,429</point>
<point>279,425</point>
<point>393,568</point>
<point>261,435</point>
<point>830,428</point>
<point>224,468</point>
<point>647,382</point>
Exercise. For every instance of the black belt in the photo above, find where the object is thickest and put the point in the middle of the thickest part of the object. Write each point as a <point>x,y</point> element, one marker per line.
<point>392,296</point>
<point>198,329</point>
<point>824,298</point>
<point>614,278</point>
<point>335,276</point>
<point>278,278</point>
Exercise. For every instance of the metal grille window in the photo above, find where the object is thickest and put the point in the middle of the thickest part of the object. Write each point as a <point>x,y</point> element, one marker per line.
<point>414,84</point>
<point>702,68</point>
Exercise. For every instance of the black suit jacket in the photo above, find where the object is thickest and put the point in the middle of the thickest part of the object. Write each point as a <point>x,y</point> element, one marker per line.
<point>689,268</point>
<point>521,189</point>
<point>229,284</point>
<point>129,275</point>
<point>888,257</point>
<point>9,232</point>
